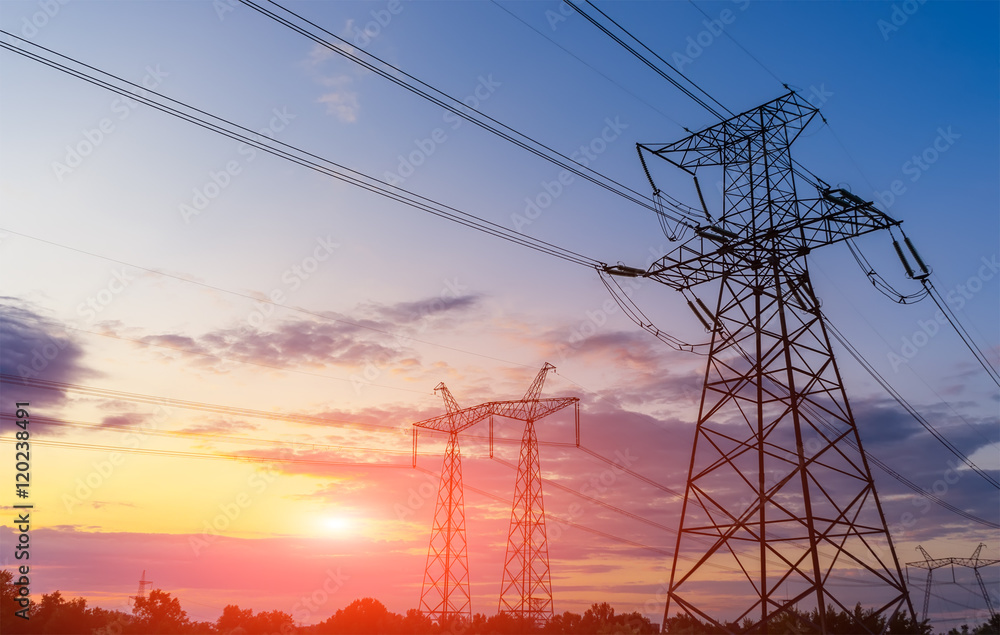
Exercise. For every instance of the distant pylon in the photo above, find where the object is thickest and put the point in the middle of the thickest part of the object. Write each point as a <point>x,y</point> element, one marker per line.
<point>143,583</point>
<point>445,593</point>
<point>526,590</point>
<point>973,563</point>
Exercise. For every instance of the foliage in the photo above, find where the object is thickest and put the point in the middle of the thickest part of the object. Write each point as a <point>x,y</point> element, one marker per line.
<point>161,614</point>
<point>795,622</point>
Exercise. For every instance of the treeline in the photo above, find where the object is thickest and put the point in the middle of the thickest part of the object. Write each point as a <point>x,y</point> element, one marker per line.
<point>160,614</point>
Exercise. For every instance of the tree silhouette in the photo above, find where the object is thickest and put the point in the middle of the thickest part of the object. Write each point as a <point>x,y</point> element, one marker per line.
<point>160,614</point>
<point>364,616</point>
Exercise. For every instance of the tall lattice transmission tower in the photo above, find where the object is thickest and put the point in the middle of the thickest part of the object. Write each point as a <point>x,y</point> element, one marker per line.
<point>974,563</point>
<point>445,594</point>
<point>779,491</point>
<point>526,591</point>
<point>143,585</point>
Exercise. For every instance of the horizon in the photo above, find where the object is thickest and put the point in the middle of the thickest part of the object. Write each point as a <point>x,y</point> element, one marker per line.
<point>224,352</point>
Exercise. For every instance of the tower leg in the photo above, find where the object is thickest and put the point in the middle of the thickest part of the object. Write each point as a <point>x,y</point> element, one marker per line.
<point>445,594</point>
<point>526,590</point>
<point>986,595</point>
<point>779,499</point>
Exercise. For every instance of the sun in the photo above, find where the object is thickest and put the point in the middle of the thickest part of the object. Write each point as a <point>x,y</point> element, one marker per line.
<point>341,525</point>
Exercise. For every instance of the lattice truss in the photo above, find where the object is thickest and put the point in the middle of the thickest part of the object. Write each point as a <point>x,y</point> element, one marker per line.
<point>779,497</point>
<point>526,589</point>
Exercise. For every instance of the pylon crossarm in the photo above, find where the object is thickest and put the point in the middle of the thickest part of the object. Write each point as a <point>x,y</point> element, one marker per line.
<point>716,144</point>
<point>709,254</point>
<point>534,409</point>
<point>456,421</point>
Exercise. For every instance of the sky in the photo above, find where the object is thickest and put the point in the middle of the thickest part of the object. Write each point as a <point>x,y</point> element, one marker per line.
<point>136,250</point>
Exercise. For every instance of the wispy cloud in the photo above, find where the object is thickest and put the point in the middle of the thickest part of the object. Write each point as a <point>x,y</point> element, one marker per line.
<point>33,346</point>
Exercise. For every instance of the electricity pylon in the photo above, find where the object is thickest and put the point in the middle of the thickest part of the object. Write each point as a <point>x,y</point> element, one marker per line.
<point>143,583</point>
<point>973,563</point>
<point>779,490</point>
<point>526,591</point>
<point>445,594</point>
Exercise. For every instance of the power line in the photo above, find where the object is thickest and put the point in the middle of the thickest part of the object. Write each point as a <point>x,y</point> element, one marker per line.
<point>797,168</point>
<point>420,88</point>
<point>906,406</point>
<point>219,438</point>
<point>231,410</point>
<point>648,63</point>
<point>297,155</point>
<point>564,521</point>
<point>207,455</point>
<point>742,48</point>
<point>261,298</point>
<point>637,316</point>
<point>585,63</point>
<point>963,334</point>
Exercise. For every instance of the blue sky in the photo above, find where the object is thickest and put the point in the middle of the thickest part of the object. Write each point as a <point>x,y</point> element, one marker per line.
<point>895,81</point>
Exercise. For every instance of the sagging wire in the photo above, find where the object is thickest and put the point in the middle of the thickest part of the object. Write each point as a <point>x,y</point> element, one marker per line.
<point>922,274</point>
<point>879,282</point>
<point>634,313</point>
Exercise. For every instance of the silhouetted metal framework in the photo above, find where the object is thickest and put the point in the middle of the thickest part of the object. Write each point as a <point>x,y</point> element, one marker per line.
<point>779,489</point>
<point>143,583</point>
<point>445,593</point>
<point>526,591</point>
<point>973,563</point>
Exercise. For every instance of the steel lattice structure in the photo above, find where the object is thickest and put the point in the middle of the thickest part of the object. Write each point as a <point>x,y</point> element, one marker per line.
<point>779,490</point>
<point>973,563</point>
<point>143,583</point>
<point>526,591</point>
<point>445,593</point>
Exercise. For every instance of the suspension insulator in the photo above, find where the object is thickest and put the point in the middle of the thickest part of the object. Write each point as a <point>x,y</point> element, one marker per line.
<point>853,198</point>
<point>707,313</point>
<point>701,198</point>
<point>701,319</point>
<point>902,258</point>
<point>916,256</point>
<point>800,299</point>
<point>828,195</point>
